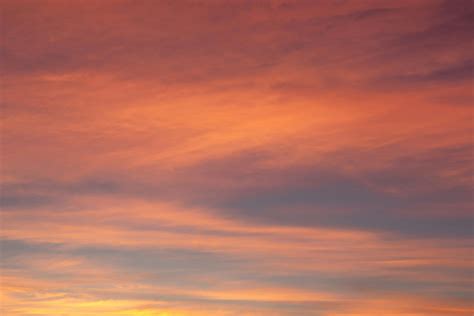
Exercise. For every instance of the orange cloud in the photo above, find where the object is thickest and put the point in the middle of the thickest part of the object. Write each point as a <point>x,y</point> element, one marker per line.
<point>210,158</point>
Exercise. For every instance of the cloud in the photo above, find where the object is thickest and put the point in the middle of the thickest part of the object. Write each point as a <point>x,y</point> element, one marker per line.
<point>196,157</point>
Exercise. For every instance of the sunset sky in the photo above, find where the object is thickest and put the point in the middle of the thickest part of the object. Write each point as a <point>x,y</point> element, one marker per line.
<point>227,158</point>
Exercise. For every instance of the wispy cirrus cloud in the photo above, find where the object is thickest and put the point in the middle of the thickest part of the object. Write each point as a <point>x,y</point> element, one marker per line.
<point>199,157</point>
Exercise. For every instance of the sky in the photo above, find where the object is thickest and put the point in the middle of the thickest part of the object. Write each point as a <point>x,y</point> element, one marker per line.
<point>237,157</point>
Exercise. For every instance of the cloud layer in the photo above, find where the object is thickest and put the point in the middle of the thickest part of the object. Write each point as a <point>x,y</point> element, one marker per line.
<point>237,158</point>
